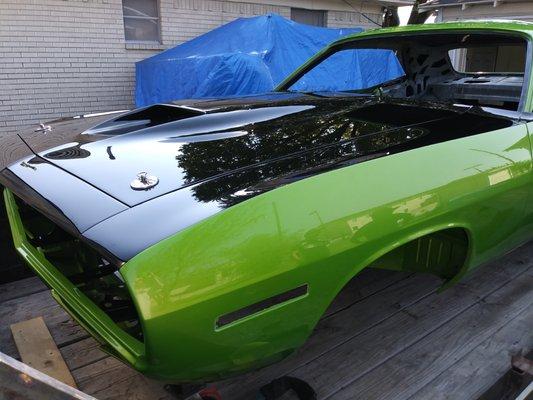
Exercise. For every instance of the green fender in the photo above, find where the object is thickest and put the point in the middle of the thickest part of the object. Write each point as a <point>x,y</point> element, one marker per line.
<point>320,231</point>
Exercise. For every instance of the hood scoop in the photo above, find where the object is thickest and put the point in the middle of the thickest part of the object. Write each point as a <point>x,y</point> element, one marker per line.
<point>147,117</point>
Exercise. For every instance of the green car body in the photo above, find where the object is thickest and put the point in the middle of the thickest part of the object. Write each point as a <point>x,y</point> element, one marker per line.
<point>245,286</point>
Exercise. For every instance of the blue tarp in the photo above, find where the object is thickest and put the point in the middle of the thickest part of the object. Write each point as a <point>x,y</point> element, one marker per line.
<point>253,55</point>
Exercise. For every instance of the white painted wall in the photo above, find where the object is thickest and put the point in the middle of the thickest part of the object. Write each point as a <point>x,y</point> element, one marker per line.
<point>518,10</point>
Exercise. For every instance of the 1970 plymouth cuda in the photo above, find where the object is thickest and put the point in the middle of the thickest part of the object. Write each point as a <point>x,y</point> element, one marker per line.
<point>200,239</point>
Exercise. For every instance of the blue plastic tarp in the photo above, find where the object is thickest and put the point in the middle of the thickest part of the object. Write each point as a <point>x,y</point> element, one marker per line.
<point>253,55</point>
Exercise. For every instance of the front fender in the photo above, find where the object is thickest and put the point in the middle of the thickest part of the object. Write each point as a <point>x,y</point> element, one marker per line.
<point>319,232</point>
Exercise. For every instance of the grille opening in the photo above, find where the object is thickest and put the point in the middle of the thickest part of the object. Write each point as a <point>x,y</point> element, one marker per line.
<point>89,271</point>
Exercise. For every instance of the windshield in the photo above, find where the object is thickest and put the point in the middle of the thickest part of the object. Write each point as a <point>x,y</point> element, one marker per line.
<point>470,68</point>
<point>351,70</point>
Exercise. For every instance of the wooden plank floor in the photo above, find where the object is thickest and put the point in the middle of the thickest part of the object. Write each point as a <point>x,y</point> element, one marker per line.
<point>387,336</point>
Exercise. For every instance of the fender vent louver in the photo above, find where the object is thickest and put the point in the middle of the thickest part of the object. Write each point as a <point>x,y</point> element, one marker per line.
<point>262,305</point>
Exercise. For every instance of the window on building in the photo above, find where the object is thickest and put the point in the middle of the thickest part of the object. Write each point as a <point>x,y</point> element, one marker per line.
<point>309,17</point>
<point>141,20</point>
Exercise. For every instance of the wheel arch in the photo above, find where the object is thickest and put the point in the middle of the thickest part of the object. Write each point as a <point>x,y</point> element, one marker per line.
<point>413,237</point>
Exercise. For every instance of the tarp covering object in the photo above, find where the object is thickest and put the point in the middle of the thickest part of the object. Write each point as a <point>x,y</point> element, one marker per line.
<point>250,56</point>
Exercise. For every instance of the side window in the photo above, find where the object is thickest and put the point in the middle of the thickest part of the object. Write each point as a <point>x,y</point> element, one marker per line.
<point>309,17</point>
<point>509,59</point>
<point>141,20</point>
<point>488,75</point>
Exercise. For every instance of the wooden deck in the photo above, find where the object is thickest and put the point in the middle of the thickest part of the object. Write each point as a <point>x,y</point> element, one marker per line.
<point>388,336</point>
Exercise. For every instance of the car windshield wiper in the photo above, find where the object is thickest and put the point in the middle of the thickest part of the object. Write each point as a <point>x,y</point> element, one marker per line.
<point>335,94</point>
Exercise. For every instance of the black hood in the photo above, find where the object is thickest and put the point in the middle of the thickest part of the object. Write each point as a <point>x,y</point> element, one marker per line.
<point>211,155</point>
<point>232,149</point>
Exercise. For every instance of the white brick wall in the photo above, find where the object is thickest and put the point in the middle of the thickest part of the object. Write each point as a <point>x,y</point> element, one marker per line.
<point>67,57</point>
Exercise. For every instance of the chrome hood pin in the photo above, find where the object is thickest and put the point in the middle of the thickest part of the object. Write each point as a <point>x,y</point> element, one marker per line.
<point>43,129</point>
<point>144,181</point>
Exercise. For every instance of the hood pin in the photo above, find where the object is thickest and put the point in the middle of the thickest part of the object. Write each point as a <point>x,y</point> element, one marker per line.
<point>144,181</point>
<point>43,129</point>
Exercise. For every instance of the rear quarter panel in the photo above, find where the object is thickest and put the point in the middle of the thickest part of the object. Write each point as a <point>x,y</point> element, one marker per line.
<point>321,231</point>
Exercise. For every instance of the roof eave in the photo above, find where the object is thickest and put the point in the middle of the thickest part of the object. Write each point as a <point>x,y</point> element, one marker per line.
<point>398,3</point>
<point>432,5</point>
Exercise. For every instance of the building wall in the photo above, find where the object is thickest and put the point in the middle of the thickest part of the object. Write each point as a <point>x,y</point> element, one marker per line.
<point>521,10</point>
<point>68,57</point>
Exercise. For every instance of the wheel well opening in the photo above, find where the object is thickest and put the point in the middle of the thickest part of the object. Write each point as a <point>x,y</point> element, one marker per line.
<point>441,253</point>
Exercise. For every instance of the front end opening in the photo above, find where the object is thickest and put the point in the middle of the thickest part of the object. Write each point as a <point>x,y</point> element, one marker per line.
<point>94,275</point>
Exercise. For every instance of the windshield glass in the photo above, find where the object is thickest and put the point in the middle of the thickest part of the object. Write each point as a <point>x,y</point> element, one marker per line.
<point>471,68</point>
<point>351,70</point>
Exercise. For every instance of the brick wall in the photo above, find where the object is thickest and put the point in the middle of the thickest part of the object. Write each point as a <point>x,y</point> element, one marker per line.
<point>61,58</point>
<point>67,57</point>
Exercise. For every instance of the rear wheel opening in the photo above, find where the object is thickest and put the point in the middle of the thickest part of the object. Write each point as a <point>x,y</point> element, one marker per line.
<point>441,253</point>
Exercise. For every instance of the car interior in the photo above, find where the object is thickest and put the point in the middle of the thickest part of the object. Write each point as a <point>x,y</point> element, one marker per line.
<point>475,69</point>
<point>483,69</point>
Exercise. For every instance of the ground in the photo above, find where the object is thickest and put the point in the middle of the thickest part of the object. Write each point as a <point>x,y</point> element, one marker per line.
<point>389,335</point>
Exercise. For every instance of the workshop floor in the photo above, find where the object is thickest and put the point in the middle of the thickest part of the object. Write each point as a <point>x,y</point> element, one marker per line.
<point>388,336</point>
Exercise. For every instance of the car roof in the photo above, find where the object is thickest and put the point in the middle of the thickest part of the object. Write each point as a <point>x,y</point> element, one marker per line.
<point>495,26</point>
